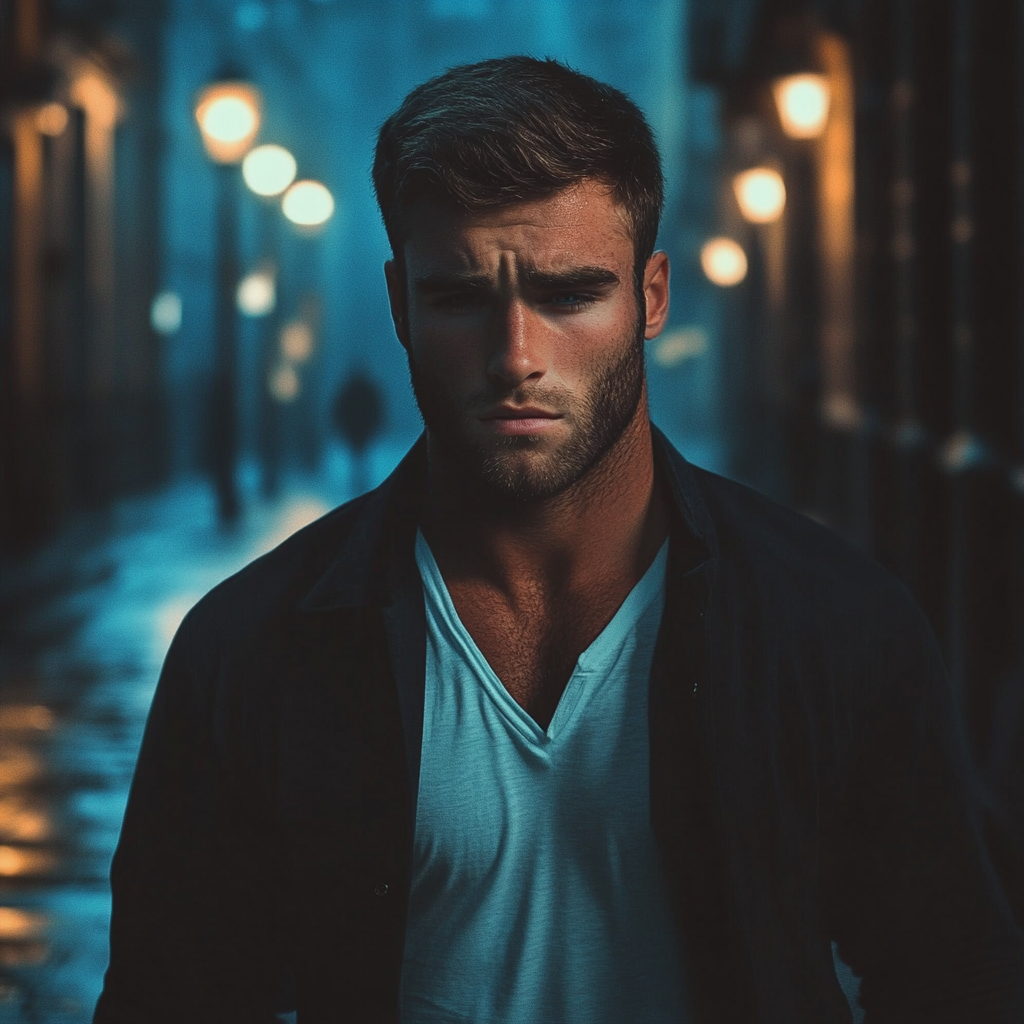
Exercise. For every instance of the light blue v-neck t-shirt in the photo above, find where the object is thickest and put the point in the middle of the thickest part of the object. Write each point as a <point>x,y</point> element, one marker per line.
<point>537,894</point>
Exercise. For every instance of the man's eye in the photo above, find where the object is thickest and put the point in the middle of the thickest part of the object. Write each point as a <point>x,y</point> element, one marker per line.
<point>572,300</point>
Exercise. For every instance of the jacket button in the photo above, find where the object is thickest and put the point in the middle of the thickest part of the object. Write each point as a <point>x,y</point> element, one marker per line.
<point>381,889</point>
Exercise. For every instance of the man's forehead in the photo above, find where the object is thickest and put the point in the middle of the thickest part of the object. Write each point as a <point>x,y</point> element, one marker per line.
<point>549,230</point>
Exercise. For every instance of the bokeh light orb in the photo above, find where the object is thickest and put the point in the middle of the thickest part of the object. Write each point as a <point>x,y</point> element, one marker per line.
<point>229,118</point>
<point>284,383</point>
<point>677,346</point>
<point>268,170</point>
<point>761,194</point>
<point>52,119</point>
<point>802,102</point>
<point>165,313</point>
<point>723,261</point>
<point>297,341</point>
<point>308,203</point>
<point>257,294</point>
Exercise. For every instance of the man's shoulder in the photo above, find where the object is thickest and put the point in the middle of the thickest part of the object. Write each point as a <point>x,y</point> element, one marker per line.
<point>261,600</point>
<point>785,554</point>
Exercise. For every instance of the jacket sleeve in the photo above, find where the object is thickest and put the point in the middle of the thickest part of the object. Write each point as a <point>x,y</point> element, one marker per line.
<point>194,934</point>
<point>911,897</point>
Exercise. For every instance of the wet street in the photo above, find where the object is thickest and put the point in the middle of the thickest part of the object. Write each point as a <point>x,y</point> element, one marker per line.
<point>85,626</point>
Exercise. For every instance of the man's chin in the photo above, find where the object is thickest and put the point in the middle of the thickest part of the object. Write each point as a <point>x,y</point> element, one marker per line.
<point>531,471</point>
<point>517,469</point>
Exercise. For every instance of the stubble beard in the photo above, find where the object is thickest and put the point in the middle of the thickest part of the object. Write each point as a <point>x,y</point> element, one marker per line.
<point>502,466</point>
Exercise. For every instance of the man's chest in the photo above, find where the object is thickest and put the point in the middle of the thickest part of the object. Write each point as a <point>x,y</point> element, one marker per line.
<point>533,649</point>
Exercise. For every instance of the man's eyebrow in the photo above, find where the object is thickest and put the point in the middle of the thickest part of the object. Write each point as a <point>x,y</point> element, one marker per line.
<point>573,277</point>
<point>441,282</point>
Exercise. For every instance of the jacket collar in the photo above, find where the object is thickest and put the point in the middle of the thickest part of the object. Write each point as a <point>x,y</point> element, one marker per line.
<point>377,562</point>
<point>378,553</point>
<point>692,530</point>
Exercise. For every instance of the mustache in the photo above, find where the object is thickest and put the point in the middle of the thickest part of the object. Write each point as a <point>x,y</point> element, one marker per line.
<point>555,399</point>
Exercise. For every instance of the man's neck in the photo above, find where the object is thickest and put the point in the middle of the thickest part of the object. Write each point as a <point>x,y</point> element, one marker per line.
<point>605,528</point>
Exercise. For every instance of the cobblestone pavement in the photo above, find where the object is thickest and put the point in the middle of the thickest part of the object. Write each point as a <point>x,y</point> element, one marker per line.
<point>84,626</point>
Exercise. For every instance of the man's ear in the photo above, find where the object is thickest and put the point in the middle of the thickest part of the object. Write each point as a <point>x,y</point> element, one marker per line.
<point>394,275</point>
<point>656,275</point>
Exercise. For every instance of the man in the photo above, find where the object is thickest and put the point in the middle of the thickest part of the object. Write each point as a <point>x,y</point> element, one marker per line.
<point>552,726</point>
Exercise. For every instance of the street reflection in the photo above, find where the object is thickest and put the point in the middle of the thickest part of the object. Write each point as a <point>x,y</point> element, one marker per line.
<point>14,718</point>
<point>77,672</point>
<point>21,934</point>
<point>20,924</point>
<point>23,819</point>
<point>19,765</point>
<point>16,861</point>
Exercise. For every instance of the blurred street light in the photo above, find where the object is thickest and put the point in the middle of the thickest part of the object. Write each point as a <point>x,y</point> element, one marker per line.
<point>257,294</point>
<point>268,170</point>
<point>308,203</point>
<point>284,383</point>
<point>761,194</point>
<point>723,261</point>
<point>228,113</point>
<point>165,313</point>
<point>297,341</point>
<point>677,346</point>
<point>803,102</point>
<point>95,93</point>
<point>52,119</point>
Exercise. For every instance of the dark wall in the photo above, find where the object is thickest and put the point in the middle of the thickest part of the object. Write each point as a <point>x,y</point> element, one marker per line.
<point>927,474</point>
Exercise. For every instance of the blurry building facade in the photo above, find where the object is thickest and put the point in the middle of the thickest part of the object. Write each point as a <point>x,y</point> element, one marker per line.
<point>875,352</point>
<point>80,385</point>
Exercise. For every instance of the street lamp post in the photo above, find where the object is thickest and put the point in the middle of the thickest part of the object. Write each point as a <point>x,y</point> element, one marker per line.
<point>308,204</point>
<point>228,112</point>
<point>268,170</point>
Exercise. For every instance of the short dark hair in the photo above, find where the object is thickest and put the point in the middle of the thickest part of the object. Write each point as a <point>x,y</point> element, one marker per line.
<point>512,129</point>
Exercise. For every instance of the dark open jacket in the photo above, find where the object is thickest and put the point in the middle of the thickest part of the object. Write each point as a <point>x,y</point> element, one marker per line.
<point>809,783</point>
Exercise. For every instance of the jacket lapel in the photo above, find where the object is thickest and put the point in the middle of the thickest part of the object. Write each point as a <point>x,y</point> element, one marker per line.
<point>350,756</point>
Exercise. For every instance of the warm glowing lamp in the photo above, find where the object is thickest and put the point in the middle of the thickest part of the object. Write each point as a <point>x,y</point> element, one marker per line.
<point>761,194</point>
<point>802,102</point>
<point>229,118</point>
<point>257,294</point>
<point>268,170</point>
<point>308,203</point>
<point>297,341</point>
<point>723,261</point>
<point>52,119</point>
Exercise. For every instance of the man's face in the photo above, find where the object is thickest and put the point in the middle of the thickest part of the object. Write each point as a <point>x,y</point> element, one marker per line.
<point>524,336</point>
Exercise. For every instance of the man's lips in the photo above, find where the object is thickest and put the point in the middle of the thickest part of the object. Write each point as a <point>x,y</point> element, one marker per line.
<point>520,412</point>
<point>518,420</point>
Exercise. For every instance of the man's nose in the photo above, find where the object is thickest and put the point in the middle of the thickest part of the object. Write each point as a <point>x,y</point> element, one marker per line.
<point>518,351</point>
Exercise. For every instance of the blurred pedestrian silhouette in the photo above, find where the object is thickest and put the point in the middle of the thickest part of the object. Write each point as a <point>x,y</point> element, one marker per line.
<point>358,418</point>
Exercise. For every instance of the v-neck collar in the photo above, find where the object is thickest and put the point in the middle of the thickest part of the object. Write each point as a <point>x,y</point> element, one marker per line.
<point>626,618</point>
